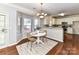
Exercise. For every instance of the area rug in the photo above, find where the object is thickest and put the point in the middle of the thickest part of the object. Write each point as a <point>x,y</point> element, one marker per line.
<point>37,49</point>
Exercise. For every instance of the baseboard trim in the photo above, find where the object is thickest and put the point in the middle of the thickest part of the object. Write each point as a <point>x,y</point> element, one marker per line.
<point>12,44</point>
<point>54,40</point>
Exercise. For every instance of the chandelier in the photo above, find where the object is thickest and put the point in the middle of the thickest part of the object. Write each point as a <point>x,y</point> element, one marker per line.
<point>41,14</point>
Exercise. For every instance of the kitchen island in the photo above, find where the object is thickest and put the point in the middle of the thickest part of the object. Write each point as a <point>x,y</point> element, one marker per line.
<point>55,33</point>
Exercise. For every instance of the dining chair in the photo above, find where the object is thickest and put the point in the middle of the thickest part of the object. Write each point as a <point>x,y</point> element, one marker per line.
<point>31,40</point>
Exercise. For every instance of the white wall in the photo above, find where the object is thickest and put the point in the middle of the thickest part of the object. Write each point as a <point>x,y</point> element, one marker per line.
<point>13,31</point>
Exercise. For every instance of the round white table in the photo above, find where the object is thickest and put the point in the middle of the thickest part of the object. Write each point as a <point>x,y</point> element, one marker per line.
<point>38,35</point>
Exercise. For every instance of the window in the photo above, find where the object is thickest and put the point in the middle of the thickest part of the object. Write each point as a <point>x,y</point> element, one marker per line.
<point>36,23</point>
<point>27,21</point>
<point>27,24</point>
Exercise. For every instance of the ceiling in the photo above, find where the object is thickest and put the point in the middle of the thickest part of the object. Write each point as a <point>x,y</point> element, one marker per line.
<point>52,8</point>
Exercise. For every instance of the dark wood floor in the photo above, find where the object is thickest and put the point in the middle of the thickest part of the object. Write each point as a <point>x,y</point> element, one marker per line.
<point>70,46</point>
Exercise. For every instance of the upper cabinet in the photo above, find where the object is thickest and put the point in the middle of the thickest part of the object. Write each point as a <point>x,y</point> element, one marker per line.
<point>49,20</point>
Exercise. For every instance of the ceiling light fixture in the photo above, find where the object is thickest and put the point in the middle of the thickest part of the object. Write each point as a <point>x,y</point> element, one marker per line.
<point>41,14</point>
<point>61,14</point>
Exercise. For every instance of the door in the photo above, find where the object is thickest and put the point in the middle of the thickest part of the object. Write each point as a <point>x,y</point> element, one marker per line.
<point>4,29</point>
<point>75,27</point>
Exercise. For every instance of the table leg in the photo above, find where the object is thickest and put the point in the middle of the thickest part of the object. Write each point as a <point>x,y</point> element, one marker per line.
<point>38,41</point>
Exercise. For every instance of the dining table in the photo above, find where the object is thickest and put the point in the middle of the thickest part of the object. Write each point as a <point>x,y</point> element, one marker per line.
<point>38,34</point>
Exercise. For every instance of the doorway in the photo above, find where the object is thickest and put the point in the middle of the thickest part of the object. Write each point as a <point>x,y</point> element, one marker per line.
<point>4,29</point>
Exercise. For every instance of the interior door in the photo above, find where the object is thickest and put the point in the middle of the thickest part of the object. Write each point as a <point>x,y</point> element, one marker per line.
<point>4,29</point>
<point>75,27</point>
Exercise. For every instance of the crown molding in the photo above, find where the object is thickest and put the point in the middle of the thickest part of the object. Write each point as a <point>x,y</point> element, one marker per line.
<point>22,9</point>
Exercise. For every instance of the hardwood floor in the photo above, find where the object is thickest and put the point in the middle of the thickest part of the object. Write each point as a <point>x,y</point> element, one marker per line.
<point>70,46</point>
<point>12,49</point>
<point>55,50</point>
<point>9,51</point>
